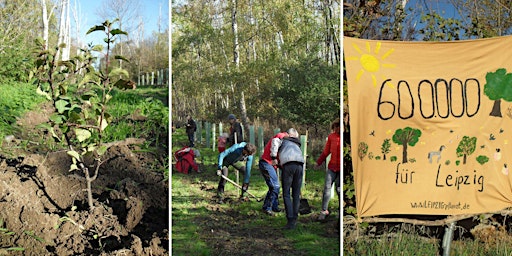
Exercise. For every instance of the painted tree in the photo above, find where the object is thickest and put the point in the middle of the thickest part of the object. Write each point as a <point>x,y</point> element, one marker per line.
<point>466,147</point>
<point>362,150</point>
<point>406,137</point>
<point>385,148</point>
<point>497,87</point>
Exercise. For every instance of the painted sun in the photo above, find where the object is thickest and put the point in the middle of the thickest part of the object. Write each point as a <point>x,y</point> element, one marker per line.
<point>371,62</point>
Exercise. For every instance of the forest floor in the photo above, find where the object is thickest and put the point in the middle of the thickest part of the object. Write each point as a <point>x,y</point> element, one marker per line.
<point>44,208</point>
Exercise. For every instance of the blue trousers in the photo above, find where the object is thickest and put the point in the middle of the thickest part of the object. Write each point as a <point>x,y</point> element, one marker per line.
<point>291,178</point>
<point>191,139</point>
<point>270,175</point>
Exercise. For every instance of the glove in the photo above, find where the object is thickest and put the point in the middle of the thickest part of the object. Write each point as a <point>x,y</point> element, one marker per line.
<point>219,172</point>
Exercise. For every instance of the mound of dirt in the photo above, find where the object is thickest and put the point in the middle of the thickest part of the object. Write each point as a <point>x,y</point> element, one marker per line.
<point>44,209</point>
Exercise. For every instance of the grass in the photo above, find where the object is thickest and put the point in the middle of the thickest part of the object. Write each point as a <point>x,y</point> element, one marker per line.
<point>15,100</point>
<point>190,199</point>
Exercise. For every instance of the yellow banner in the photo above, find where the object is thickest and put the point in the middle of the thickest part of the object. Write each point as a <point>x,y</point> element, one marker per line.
<point>431,125</point>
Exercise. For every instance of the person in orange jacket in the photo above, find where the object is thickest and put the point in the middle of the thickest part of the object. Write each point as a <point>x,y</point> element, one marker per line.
<point>332,175</point>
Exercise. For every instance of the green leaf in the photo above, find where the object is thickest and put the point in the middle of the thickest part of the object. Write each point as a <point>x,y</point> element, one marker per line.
<point>103,124</point>
<point>73,167</point>
<point>118,32</point>
<point>95,28</point>
<point>60,105</point>
<point>119,57</point>
<point>101,150</point>
<point>118,72</point>
<point>74,154</point>
<point>41,92</point>
<point>97,48</point>
<point>82,134</point>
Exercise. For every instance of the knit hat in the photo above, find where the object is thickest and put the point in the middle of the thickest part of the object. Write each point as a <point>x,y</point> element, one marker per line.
<point>231,116</point>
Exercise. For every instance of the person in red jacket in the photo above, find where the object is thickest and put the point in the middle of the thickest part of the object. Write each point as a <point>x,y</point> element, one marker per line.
<point>332,147</point>
<point>185,160</point>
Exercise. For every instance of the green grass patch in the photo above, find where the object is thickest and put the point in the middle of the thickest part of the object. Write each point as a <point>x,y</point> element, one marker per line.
<point>15,100</point>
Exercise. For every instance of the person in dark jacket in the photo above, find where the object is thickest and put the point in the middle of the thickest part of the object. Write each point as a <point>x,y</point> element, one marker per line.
<point>291,160</point>
<point>191,129</point>
<point>235,131</point>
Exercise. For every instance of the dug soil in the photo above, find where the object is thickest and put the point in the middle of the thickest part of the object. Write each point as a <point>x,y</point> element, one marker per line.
<point>44,208</point>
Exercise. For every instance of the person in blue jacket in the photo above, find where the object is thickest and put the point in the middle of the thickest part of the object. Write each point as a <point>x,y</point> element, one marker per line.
<point>240,156</point>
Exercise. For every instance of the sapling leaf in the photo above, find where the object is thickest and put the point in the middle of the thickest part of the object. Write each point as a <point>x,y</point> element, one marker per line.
<point>103,123</point>
<point>101,150</point>
<point>73,167</point>
<point>119,57</point>
<point>74,154</point>
<point>117,32</point>
<point>60,105</point>
<point>96,28</point>
<point>82,134</point>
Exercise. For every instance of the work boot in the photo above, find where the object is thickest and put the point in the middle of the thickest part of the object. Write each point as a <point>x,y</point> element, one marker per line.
<point>292,223</point>
<point>245,186</point>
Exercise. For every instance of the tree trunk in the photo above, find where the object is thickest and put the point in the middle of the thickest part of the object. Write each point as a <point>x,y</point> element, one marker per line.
<point>45,23</point>
<point>404,153</point>
<point>236,60</point>
<point>496,109</point>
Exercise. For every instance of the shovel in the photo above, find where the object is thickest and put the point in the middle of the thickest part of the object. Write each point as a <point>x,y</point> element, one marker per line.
<point>240,187</point>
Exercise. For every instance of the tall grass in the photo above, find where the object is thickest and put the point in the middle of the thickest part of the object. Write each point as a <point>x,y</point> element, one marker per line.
<point>15,100</point>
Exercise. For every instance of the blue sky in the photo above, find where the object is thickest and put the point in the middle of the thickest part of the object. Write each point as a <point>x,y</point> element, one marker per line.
<point>150,13</point>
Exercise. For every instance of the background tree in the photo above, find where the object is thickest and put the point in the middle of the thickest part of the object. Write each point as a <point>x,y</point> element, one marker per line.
<point>406,137</point>
<point>275,40</point>
<point>466,147</point>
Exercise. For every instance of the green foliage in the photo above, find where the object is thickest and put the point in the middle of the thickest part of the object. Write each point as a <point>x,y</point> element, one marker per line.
<point>407,136</point>
<point>385,148</point>
<point>310,93</point>
<point>438,28</point>
<point>466,147</point>
<point>15,99</point>
<point>497,85</point>
<point>362,150</point>
<point>482,159</point>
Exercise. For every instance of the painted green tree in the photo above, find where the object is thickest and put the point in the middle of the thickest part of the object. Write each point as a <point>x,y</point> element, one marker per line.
<point>466,147</point>
<point>362,150</point>
<point>406,137</point>
<point>498,87</point>
<point>385,148</point>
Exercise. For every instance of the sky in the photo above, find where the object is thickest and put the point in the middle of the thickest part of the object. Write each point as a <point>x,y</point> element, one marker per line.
<point>150,13</point>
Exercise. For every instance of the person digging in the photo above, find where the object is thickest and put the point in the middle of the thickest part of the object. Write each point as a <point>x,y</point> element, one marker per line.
<point>240,156</point>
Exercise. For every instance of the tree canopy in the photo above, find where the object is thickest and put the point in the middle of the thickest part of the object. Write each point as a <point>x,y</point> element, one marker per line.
<point>288,53</point>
